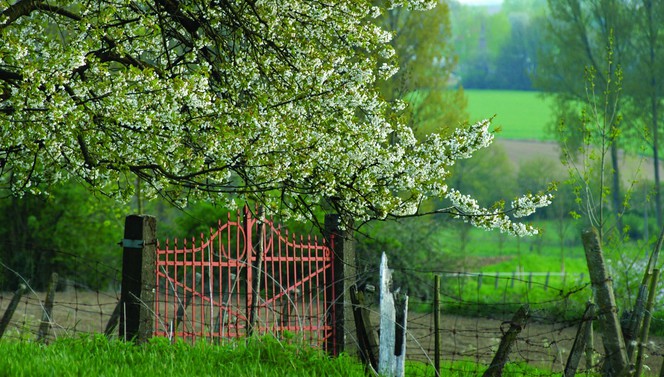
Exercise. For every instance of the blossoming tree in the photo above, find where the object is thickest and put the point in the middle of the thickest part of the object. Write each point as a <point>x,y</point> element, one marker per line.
<point>270,100</point>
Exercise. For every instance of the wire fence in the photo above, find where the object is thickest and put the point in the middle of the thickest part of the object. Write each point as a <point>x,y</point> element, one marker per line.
<point>476,312</point>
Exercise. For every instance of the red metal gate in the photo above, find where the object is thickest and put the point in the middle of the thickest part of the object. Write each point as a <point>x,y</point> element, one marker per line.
<point>248,276</point>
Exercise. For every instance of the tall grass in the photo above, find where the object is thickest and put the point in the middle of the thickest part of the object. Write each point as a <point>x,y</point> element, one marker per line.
<point>98,356</point>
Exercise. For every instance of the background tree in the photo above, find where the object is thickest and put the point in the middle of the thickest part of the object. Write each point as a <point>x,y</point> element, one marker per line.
<point>643,84</point>
<point>497,46</point>
<point>593,35</point>
<point>421,40</point>
<point>72,232</point>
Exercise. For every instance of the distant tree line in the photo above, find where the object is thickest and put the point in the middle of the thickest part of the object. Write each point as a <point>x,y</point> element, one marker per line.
<point>497,47</point>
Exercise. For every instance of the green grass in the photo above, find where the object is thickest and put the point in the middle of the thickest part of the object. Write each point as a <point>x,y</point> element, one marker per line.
<point>493,254</point>
<point>266,356</point>
<point>519,114</point>
<point>97,356</point>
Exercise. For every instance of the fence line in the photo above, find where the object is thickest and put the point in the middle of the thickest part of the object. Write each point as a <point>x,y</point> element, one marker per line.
<point>545,342</point>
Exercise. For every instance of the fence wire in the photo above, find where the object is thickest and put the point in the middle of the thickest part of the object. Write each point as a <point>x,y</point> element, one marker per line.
<point>476,310</point>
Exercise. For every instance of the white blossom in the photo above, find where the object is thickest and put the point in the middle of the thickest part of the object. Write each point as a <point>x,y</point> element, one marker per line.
<point>283,109</point>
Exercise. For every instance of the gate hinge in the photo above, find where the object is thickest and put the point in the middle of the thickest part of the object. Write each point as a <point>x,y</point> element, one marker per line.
<point>132,244</point>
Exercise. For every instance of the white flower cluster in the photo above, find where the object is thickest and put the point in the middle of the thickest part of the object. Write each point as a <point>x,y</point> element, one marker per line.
<point>276,102</point>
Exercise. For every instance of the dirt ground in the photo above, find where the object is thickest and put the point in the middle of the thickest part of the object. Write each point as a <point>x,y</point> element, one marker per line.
<point>521,151</point>
<point>542,343</point>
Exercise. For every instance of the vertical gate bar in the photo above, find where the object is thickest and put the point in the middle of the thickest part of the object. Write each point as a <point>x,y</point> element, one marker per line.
<point>176,295</point>
<point>288,273</point>
<point>309,305</point>
<point>167,291</point>
<point>276,278</point>
<point>320,265</point>
<point>192,284</point>
<point>298,314</point>
<point>279,272</point>
<point>185,276</point>
<point>201,293</point>
<point>240,232</point>
<point>249,267</point>
<point>318,322</point>
<point>265,282</point>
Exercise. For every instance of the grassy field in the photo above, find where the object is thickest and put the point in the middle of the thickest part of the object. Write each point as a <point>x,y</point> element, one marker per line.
<point>520,115</point>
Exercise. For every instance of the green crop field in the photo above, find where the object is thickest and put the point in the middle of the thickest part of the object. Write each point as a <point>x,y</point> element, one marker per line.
<point>520,115</point>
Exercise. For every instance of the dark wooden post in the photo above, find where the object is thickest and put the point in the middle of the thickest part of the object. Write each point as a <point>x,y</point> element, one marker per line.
<point>366,338</point>
<point>344,265</point>
<point>585,328</point>
<point>612,338</point>
<point>518,322</point>
<point>645,330</point>
<point>47,319</point>
<point>7,317</point>
<point>138,278</point>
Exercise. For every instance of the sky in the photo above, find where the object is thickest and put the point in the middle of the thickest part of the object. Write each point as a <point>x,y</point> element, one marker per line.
<point>480,2</point>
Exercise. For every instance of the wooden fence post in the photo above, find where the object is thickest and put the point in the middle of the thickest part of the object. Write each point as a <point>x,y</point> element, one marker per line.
<point>517,324</point>
<point>393,319</point>
<point>580,341</point>
<point>9,312</point>
<point>339,285</point>
<point>645,330</point>
<point>612,338</point>
<point>138,278</point>
<point>365,332</point>
<point>47,320</point>
<point>436,324</point>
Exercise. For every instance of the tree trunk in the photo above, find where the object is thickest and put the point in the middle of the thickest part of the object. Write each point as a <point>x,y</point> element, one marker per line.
<point>614,344</point>
<point>615,191</point>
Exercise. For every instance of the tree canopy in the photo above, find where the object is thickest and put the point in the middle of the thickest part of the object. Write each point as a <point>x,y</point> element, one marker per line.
<point>274,101</point>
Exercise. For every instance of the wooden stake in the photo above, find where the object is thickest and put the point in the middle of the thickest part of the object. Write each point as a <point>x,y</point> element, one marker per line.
<point>646,321</point>
<point>436,324</point>
<point>7,317</point>
<point>517,324</point>
<point>46,320</point>
<point>580,341</point>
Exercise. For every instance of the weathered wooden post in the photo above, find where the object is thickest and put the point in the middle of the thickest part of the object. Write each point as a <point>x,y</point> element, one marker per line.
<point>584,331</point>
<point>612,338</point>
<point>9,312</point>
<point>138,278</point>
<point>518,322</point>
<point>47,319</point>
<point>645,330</point>
<point>365,335</point>
<point>436,323</point>
<point>340,280</point>
<point>393,319</point>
